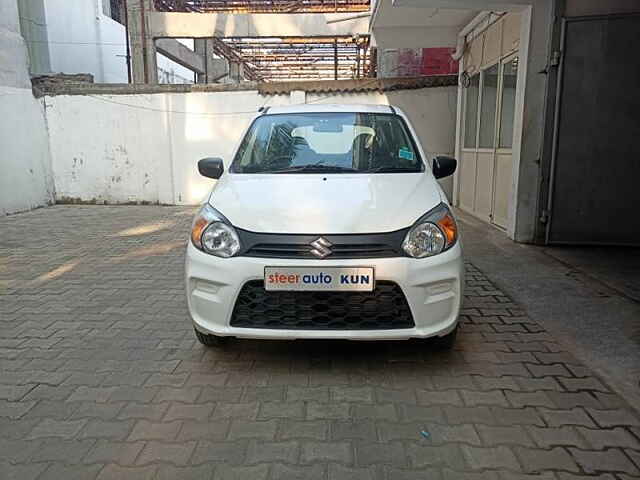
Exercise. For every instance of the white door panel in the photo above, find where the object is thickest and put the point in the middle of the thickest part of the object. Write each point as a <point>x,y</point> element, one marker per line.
<point>467,179</point>
<point>502,188</point>
<point>484,185</point>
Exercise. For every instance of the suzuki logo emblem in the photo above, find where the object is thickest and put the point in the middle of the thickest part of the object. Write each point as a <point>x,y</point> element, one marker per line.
<point>321,247</point>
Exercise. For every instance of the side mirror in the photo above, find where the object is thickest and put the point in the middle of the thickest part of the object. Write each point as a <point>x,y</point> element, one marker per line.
<point>211,167</point>
<point>444,166</point>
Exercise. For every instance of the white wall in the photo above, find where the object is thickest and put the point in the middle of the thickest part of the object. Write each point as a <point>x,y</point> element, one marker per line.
<point>123,148</point>
<point>25,163</point>
<point>81,39</point>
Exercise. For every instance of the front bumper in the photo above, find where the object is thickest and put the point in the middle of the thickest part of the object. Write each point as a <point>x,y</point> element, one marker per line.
<point>433,288</point>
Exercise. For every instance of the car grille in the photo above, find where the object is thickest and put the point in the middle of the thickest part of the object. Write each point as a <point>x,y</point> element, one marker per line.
<point>269,245</point>
<point>383,309</point>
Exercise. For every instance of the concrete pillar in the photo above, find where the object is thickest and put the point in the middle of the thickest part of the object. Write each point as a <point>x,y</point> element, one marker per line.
<point>143,49</point>
<point>215,68</point>
<point>235,72</point>
<point>535,41</point>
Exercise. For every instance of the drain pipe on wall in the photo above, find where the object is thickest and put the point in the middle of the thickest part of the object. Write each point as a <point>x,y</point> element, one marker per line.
<point>478,19</point>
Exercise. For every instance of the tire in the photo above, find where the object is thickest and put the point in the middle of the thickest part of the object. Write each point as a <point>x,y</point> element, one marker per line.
<point>210,340</point>
<point>446,342</point>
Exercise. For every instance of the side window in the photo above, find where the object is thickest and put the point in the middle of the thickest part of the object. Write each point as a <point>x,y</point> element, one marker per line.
<point>471,112</point>
<point>509,79</point>
<point>488,107</point>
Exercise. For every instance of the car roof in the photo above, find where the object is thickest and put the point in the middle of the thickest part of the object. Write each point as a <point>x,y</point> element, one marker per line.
<point>329,108</point>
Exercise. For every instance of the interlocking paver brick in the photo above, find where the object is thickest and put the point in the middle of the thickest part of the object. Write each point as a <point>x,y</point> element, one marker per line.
<point>181,411</point>
<point>495,397</point>
<point>426,455</point>
<point>528,476</point>
<point>92,394</point>
<point>196,430</point>
<point>176,453</point>
<point>530,399</point>
<point>496,383</point>
<point>108,345</point>
<point>481,414</point>
<point>613,418</point>
<point>170,472</point>
<point>502,435</point>
<point>576,416</point>
<point>326,452</point>
<point>15,409</point>
<point>184,394</point>
<point>310,429</point>
<point>145,430</point>
<point>328,411</point>
<point>376,453</point>
<point>573,399</point>
<point>236,410</point>
<point>116,472</point>
<point>573,476</point>
<point>615,437</point>
<point>58,471</point>
<point>588,383</point>
<point>220,452</point>
<point>228,472</point>
<point>536,460</point>
<point>262,429</point>
<point>612,460</point>
<point>122,453</point>
<point>143,411</point>
<point>557,436</point>
<point>21,472</point>
<point>282,410</point>
<point>480,458</point>
<point>448,474</point>
<point>106,429</point>
<point>265,452</point>
<point>340,472</point>
<point>67,451</point>
<point>432,397</point>
<point>289,472</point>
<point>57,428</point>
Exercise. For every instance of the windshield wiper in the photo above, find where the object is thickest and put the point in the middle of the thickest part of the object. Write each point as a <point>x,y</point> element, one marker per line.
<point>313,168</point>
<point>392,170</point>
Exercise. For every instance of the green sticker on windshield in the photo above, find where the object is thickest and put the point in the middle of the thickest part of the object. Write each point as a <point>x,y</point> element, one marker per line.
<point>405,153</point>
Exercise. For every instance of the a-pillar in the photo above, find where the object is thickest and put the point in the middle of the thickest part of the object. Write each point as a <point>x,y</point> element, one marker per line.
<point>143,49</point>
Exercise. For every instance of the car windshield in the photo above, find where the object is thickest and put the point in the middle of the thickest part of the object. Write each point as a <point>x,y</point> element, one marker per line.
<point>327,143</point>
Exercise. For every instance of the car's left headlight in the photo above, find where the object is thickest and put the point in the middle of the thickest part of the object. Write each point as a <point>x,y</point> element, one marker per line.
<point>211,232</point>
<point>433,233</point>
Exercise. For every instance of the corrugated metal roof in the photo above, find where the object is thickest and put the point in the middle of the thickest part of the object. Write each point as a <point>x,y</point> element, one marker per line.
<point>360,85</point>
<point>52,86</point>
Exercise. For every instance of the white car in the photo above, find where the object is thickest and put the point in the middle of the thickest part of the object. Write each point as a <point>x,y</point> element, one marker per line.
<point>328,223</point>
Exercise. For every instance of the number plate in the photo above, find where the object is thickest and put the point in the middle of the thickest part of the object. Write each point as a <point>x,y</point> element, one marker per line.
<point>319,278</point>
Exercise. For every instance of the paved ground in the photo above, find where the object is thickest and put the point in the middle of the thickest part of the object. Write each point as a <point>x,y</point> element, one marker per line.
<point>101,378</point>
<point>585,297</point>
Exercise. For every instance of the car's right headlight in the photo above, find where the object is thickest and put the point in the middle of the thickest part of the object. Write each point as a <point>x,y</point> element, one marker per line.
<point>433,233</point>
<point>212,233</point>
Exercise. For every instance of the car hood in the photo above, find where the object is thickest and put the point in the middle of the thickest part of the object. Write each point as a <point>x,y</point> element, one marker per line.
<point>325,204</point>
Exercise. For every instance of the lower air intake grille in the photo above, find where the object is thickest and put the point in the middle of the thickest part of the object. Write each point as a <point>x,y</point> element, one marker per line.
<point>383,309</point>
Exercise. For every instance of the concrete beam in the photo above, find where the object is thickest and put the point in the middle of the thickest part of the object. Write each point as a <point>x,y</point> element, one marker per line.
<point>202,25</point>
<point>181,54</point>
<point>415,37</point>
<point>496,5</point>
